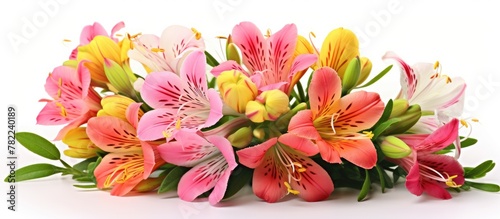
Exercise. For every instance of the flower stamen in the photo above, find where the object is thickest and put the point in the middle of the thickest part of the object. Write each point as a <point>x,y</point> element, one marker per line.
<point>290,190</point>
<point>63,109</point>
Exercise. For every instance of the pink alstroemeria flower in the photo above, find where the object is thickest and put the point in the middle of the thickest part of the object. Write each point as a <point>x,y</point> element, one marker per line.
<point>428,172</point>
<point>90,31</point>
<point>334,123</point>
<point>74,101</point>
<point>166,53</point>
<point>423,84</point>
<point>283,166</point>
<point>270,62</point>
<point>179,101</point>
<point>130,160</point>
<point>211,157</point>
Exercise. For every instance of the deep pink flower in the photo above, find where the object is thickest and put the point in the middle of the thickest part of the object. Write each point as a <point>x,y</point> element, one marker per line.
<point>429,172</point>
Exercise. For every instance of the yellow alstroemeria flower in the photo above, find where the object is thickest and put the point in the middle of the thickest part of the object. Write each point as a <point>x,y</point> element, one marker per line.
<point>338,49</point>
<point>97,51</point>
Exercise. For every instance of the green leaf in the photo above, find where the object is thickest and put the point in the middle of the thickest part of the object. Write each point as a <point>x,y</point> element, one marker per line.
<point>83,165</point>
<point>172,179</point>
<point>36,171</point>
<point>38,145</point>
<point>85,178</point>
<point>480,170</point>
<point>85,186</point>
<point>465,143</point>
<point>211,60</point>
<point>381,177</point>
<point>91,167</point>
<point>488,187</point>
<point>366,187</point>
<point>377,77</point>
<point>386,114</point>
<point>239,178</point>
<point>384,126</point>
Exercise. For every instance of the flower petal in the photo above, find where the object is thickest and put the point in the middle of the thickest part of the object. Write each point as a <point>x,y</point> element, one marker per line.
<point>112,134</point>
<point>302,125</point>
<point>193,71</point>
<point>252,44</point>
<point>281,46</point>
<point>202,178</point>
<point>324,92</point>
<point>177,40</point>
<point>226,66</point>
<point>162,89</point>
<point>408,76</point>
<point>339,47</point>
<point>303,145</point>
<point>315,184</point>
<point>440,138</point>
<point>188,150</point>
<point>444,164</point>
<point>133,113</point>
<point>300,64</point>
<point>58,113</point>
<point>358,111</point>
<point>253,156</point>
<point>269,177</point>
<point>122,171</point>
<point>360,152</point>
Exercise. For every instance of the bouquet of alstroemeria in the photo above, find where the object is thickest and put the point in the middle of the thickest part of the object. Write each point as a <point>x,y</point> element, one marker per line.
<point>257,118</point>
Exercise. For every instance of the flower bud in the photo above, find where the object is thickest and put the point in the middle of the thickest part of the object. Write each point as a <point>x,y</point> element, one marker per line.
<point>407,120</point>
<point>399,107</point>
<point>259,133</point>
<point>394,147</point>
<point>351,75</point>
<point>269,105</point>
<point>149,184</point>
<point>236,89</point>
<point>79,144</point>
<point>284,120</point>
<point>120,77</point>
<point>241,138</point>
<point>116,106</point>
<point>232,53</point>
<point>366,68</point>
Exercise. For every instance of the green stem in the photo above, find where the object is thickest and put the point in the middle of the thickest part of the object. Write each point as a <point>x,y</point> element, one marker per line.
<point>301,92</point>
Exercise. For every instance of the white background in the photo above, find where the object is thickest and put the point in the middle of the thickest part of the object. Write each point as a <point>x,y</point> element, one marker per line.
<point>462,35</point>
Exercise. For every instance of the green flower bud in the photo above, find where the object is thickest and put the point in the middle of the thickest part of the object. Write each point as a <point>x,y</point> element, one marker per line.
<point>259,133</point>
<point>282,122</point>
<point>351,75</point>
<point>407,120</point>
<point>241,138</point>
<point>232,53</point>
<point>399,107</point>
<point>395,148</point>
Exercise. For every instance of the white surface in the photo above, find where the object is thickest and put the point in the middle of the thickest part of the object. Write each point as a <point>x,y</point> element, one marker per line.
<point>463,36</point>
